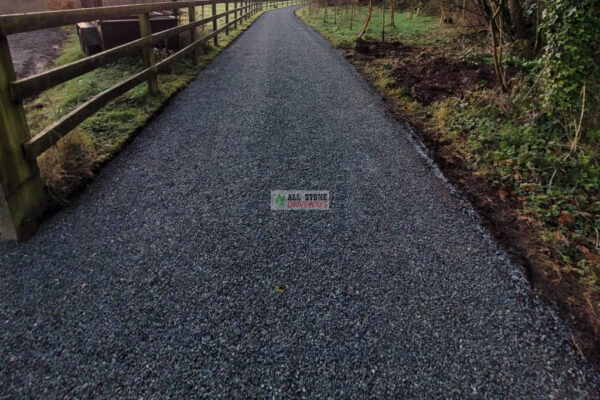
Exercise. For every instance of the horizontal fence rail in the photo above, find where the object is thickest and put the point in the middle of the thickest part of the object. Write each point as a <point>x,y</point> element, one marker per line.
<point>22,195</point>
<point>36,84</point>
<point>18,23</point>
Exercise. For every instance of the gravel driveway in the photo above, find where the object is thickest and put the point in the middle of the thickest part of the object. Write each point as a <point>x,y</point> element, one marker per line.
<point>161,279</point>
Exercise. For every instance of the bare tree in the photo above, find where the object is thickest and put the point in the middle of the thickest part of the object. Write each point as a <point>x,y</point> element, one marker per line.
<point>367,20</point>
<point>382,21</point>
<point>518,24</point>
<point>335,11</point>
<point>496,29</point>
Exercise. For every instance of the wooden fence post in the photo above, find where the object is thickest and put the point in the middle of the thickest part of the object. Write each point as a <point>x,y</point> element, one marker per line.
<point>235,14</point>
<point>226,17</point>
<point>192,18</point>
<point>146,30</point>
<point>214,21</point>
<point>202,17</point>
<point>23,198</point>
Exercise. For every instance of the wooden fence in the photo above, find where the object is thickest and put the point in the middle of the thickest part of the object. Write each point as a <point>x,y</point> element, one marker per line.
<point>23,198</point>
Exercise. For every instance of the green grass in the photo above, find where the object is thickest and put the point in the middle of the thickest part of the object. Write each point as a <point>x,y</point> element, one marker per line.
<point>70,50</point>
<point>342,30</point>
<point>106,131</point>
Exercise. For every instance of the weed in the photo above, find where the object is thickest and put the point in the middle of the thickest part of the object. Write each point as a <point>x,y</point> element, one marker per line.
<point>66,166</point>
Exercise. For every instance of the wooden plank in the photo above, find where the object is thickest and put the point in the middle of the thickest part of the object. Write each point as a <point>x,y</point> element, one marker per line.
<point>235,14</point>
<point>214,23</point>
<point>192,19</point>
<point>22,195</point>
<point>16,23</point>
<point>52,134</point>
<point>227,18</point>
<point>36,84</point>
<point>146,30</point>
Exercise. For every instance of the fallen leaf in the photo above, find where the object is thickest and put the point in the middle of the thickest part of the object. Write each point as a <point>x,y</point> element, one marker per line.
<point>589,255</point>
<point>503,194</point>
<point>559,236</point>
<point>565,218</point>
<point>281,289</point>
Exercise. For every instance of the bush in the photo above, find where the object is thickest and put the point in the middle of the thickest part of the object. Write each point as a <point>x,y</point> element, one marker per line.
<point>571,53</point>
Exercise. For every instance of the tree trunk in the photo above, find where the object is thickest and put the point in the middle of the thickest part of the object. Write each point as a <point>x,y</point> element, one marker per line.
<point>334,12</point>
<point>369,14</point>
<point>392,21</point>
<point>382,21</point>
<point>518,24</point>
<point>495,27</point>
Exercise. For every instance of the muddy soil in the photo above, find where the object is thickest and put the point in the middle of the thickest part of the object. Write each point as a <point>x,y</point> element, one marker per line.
<point>33,52</point>
<point>427,74</point>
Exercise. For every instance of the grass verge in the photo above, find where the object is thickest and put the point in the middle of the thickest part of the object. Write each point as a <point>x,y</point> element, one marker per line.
<point>535,182</point>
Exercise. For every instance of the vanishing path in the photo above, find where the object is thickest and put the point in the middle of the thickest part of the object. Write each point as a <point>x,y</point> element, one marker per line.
<point>160,280</point>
